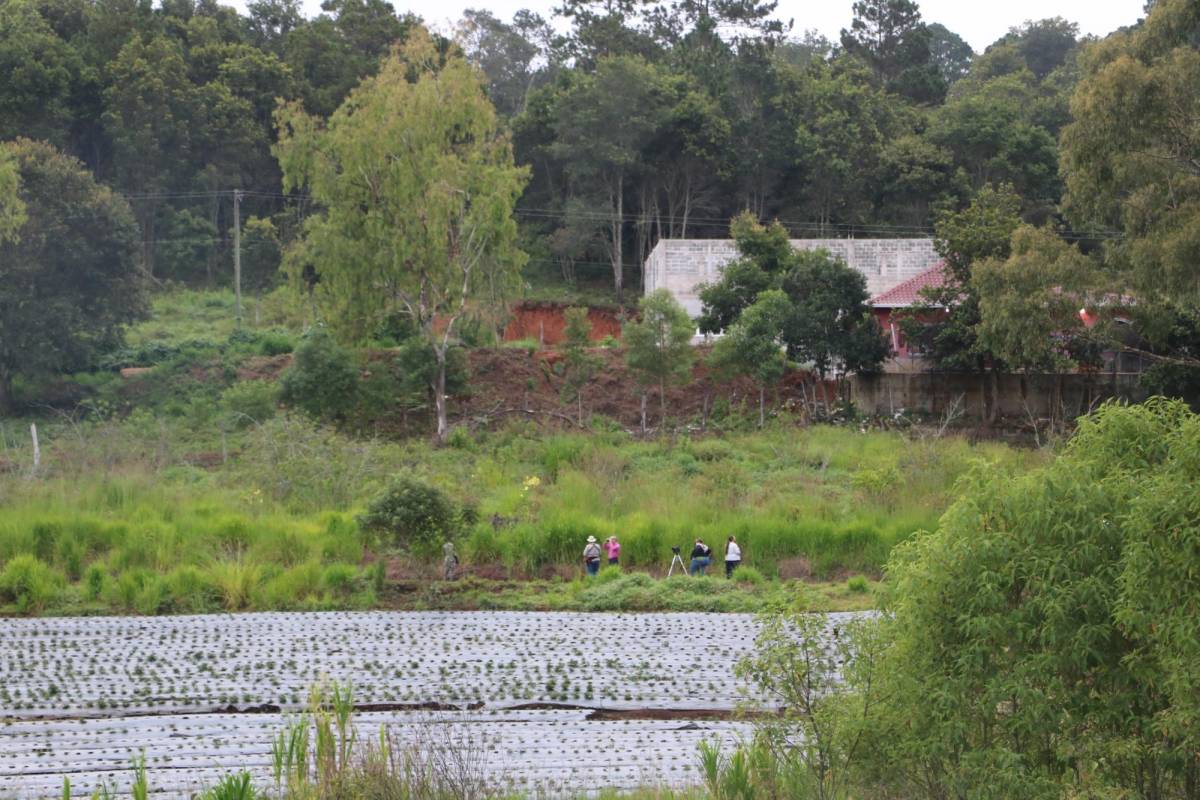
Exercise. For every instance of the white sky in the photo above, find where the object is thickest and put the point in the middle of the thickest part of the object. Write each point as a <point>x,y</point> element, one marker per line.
<point>980,22</point>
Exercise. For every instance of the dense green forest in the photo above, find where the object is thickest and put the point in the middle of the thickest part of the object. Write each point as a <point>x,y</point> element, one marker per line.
<point>153,145</point>
<point>640,121</point>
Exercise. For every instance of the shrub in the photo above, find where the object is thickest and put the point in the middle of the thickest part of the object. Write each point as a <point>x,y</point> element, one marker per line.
<point>482,546</point>
<point>249,402</point>
<point>857,584</point>
<point>410,513</point>
<point>292,588</point>
<point>460,439</point>
<point>608,574</point>
<point>71,554</point>
<point>29,582</point>
<point>95,581</point>
<point>322,380</point>
<point>192,590</point>
<point>340,580</point>
<point>748,575</point>
<point>236,582</point>
<point>275,343</point>
<point>154,596</point>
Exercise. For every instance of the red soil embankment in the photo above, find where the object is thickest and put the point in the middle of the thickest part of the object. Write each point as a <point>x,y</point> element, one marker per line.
<point>546,322</point>
<point>508,379</point>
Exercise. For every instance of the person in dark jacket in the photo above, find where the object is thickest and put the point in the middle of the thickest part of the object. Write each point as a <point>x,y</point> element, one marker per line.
<point>701,558</point>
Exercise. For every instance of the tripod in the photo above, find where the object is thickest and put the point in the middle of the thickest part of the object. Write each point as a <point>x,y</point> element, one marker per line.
<point>676,559</point>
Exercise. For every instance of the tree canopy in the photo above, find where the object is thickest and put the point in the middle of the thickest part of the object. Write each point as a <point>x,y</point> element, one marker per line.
<point>826,321</point>
<point>69,281</point>
<point>416,186</point>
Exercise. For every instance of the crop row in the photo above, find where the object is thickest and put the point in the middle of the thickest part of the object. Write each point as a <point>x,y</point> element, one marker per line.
<point>538,752</point>
<point>130,666</point>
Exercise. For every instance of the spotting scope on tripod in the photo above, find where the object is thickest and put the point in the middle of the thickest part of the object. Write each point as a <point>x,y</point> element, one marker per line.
<point>676,559</point>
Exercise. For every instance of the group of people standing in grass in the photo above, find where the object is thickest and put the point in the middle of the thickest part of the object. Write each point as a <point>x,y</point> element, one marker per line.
<point>592,552</point>
<point>701,555</point>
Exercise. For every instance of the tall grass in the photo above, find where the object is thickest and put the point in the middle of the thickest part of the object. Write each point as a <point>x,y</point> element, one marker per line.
<point>274,527</point>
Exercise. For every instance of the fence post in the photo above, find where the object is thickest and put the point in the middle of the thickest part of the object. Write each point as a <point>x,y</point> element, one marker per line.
<point>37,451</point>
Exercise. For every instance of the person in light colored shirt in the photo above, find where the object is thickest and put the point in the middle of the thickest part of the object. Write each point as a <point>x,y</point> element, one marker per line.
<point>591,556</point>
<point>733,557</point>
<point>613,548</point>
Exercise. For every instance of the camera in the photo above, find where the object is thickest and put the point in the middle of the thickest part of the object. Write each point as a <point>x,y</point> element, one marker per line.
<point>675,549</point>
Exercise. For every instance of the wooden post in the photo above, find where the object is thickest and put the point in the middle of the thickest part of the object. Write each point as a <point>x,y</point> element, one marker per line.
<point>37,451</point>
<point>237,255</point>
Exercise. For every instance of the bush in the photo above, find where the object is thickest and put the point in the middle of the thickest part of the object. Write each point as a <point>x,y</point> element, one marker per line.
<point>95,581</point>
<point>340,580</point>
<point>293,588</point>
<point>29,582</point>
<point>322,380</point>
<point>748,575</point>
<point>249,403</point>
<point>275,343</point>
<point>192,591</point>
<point>1057,606</point>
<point>857,584</point>
<point>410,513</point>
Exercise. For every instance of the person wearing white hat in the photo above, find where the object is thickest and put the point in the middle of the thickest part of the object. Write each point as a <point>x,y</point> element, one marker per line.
<point>591,556</point>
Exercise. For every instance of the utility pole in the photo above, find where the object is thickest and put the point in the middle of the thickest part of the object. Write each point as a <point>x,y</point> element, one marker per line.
<point>237,254</point>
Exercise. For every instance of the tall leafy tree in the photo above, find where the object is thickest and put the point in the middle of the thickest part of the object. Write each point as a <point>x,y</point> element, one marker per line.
<point>1045,44</point>
<point>890,37</point>
<point>40,74</point>
<point>842,124</point>
<point>270,21</point>
<point>329,55</point>
<point>950,52</point>
<point>946,325</point>
<point>1029,302</point>
<point>658,346</point>
<point>606,28</point>
<point>12,207</point>
<point>990,129</point>
<point>579,365</point>
<point>827,322</point>
<point>603,123</point>
<point>508,55</point>
<point>753,345</point>
<point>1132,154</point>
<point>149,108</point>
<point>69,282</point>
<point>416,185</point>
<point>765,255</point>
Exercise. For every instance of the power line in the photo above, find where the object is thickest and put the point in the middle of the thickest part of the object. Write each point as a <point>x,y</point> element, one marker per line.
<point>871,229</point>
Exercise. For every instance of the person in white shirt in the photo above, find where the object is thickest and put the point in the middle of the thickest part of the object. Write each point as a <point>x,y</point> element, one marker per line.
<point>733,557</point>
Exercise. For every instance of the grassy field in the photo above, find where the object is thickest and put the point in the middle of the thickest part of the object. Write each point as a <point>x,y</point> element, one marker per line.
<point>128,515</point>
<point>186,488</point>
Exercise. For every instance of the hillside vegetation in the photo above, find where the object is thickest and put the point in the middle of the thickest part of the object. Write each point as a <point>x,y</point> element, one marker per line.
<point>118,520</point>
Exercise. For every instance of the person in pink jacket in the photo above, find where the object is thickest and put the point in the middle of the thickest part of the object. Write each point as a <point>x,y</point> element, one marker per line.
<point>613,548</point>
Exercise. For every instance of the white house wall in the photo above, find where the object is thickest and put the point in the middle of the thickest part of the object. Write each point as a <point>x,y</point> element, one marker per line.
<point>681,265</point>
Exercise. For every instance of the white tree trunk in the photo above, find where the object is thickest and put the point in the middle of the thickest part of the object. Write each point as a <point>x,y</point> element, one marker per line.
<point>439,394</point>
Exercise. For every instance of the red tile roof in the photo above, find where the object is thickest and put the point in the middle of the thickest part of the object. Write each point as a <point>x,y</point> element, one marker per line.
<point>908,293</point>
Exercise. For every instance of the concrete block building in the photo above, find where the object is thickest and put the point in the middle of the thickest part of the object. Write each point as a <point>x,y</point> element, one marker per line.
<point>681,265</point>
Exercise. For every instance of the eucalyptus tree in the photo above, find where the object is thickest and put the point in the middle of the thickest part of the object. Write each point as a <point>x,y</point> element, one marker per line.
<point>416,184</point>
<point>658,346</point>
<point>1132,154</point>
